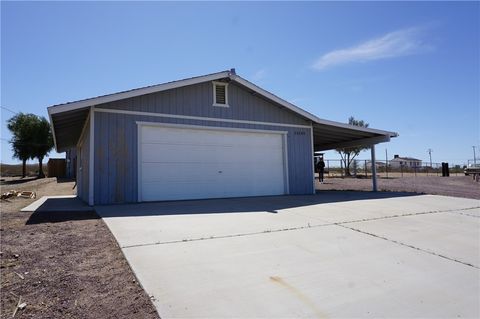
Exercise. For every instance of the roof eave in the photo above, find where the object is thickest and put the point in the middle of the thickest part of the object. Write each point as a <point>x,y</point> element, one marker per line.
<point>59,108</point>
<point>86,103</point>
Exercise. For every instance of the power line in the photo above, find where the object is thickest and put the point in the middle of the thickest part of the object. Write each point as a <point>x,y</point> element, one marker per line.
<point>9,110</point>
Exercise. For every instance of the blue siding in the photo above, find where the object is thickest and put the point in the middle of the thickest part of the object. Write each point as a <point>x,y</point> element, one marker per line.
<point>197,100</point>
<point>116,135</point>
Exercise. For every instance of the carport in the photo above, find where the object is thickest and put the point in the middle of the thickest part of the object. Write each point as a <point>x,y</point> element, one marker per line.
<point>328,135</point>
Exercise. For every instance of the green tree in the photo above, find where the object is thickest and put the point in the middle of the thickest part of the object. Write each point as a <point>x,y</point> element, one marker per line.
<point>348,154</point>
<point>21,126</point>
<point>31,138</point>
<point>42,142</point>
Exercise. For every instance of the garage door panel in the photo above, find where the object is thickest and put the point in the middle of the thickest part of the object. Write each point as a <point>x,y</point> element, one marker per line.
<point>169,172</point>
<point>265,143</point>
<point>220,160</point>
<point>178,191</point>
<point>168,153</point>
<point>174,152</point>
<point>178,163</point>
<point>205,137</point>
<point>196,190</point>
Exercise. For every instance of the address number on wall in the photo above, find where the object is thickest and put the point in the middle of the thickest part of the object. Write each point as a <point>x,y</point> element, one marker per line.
<point>299,133</point>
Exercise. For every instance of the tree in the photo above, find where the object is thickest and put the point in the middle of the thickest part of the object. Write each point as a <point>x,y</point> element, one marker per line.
<point>348,154</point>
<point>42,142</point>
<point>32,138</point>
<point>21,126</point>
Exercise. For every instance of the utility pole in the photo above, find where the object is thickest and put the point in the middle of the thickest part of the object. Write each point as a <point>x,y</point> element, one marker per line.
<point>474,158</point>
<point>386,162</point>
<point>430,154</point>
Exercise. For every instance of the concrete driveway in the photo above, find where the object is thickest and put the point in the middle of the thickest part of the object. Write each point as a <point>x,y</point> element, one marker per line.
<point>334,254</point>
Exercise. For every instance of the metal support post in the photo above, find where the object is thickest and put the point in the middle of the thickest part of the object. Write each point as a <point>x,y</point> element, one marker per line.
<point>374,169</point>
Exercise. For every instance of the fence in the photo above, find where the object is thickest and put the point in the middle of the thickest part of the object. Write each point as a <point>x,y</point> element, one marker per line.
<point>363,168</point>
<point>56,167</point>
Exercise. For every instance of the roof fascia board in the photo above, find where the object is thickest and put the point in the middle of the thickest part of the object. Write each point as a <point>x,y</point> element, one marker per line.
<point>363,141</point>
<point>133,93</point>
<point>356,128</point>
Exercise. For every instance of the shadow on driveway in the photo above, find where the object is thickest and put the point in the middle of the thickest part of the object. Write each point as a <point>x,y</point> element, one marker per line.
<point>271,204</point>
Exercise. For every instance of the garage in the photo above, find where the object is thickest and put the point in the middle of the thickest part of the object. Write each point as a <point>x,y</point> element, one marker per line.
<point>211,136</point>
<point>194,162</point>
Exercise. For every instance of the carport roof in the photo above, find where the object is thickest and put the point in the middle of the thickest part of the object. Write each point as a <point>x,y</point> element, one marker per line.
<point>68,119</point>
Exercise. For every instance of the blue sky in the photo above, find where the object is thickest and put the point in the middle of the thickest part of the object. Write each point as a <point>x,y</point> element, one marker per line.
<point>410,67</point>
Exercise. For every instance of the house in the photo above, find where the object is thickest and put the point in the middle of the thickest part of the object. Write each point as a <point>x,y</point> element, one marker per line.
<point>405,162</point>
<point>211,136</point>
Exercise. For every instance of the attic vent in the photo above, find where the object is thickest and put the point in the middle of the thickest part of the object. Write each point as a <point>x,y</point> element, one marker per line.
<point>220,94</point>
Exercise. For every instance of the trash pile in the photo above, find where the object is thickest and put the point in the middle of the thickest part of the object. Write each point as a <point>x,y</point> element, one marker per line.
<point>21,194</point>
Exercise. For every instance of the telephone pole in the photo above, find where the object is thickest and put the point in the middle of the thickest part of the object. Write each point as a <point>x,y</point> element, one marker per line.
<point>386,162</point>
<point>474,158</point>
<point>430,154</point>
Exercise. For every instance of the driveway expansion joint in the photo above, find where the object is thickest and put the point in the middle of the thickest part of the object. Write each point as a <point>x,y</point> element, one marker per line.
<point>410,246</point>
<point>412,214</point>
<point>228,236</point>
<point>310,226</point>
<point>464,214</point>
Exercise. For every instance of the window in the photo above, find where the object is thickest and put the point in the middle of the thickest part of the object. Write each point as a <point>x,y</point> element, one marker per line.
<point>220,94</point>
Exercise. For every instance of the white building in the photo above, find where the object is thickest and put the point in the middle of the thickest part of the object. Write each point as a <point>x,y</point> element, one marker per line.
<point>408,162</point>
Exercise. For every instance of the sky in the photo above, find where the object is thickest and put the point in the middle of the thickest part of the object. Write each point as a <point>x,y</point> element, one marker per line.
<point>407,67</point>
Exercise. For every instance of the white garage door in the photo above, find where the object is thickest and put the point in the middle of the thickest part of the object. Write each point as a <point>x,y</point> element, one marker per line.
<point>191,163</point>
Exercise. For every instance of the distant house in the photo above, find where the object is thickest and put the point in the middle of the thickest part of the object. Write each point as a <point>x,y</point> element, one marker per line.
<point>408,162</point>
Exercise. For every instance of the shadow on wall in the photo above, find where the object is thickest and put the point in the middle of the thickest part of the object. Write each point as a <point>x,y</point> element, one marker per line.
<point>270,204</point>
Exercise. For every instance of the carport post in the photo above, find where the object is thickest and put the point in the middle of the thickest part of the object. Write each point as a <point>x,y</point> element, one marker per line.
<point>374,168</point>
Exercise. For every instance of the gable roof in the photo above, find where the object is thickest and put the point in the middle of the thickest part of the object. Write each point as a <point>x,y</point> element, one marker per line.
<point>66,118</point>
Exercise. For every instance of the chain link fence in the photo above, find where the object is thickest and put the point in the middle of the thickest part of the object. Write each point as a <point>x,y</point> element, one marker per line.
<point>386,169</point>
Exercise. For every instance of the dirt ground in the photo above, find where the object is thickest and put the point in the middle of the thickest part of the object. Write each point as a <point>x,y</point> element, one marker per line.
<point>63,267</point>
<point>457,186</point>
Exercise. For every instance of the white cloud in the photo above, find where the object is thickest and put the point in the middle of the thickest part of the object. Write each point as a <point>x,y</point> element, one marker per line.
<point>394,44</point>
<point>259,75</point>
